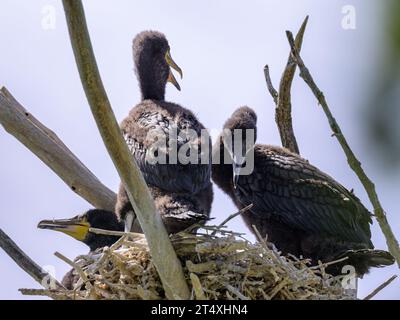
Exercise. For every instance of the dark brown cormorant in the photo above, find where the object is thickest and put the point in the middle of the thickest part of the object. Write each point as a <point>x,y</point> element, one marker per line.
<point>157,132</point>
<point>78,228</point>
<point>302,210</point>
<point>178,210</point>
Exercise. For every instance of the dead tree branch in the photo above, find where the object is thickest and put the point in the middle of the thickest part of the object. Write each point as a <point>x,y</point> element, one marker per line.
<point>274,94</point>
<point>44,143</point>
<point>26,263</point>
<point>162,252</point>
<point>282,99</point>
<point>352,160</point>
<point>380,288</point>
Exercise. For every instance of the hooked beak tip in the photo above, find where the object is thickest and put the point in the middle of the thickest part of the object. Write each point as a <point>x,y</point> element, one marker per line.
<point>44,224</point>
<point>172,64</point>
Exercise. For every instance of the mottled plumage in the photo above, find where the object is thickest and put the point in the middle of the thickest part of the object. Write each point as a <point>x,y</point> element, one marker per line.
<point>158,133</point>
<point>303,211</point>
<point>155,124</point>
<point>178,210</point>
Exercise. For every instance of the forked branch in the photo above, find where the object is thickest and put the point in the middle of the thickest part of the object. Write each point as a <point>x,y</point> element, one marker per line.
<point>352,160</point>
<point>282,99</point>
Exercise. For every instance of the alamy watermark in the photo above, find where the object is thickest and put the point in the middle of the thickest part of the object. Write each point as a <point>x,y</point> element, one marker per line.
<point>49,17</point>
<point>189,146</point>
<point>349,20</point>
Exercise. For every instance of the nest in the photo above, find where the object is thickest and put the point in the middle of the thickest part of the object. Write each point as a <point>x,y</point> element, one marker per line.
<point>218,264</point>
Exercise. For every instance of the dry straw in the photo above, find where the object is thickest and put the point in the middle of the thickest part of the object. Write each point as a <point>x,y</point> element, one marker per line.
<point>218,264</point>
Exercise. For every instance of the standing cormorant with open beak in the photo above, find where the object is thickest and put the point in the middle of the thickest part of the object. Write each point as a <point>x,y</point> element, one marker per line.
<point>301,210</point>
<point>78,228</point>
<point>157,132</point>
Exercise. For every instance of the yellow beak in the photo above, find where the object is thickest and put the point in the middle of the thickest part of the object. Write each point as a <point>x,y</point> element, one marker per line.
<point>76,228</point>
<point>173,65</point>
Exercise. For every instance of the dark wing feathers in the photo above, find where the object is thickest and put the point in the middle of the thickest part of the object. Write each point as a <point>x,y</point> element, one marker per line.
<point>150,124</point>
<point>286,188</point>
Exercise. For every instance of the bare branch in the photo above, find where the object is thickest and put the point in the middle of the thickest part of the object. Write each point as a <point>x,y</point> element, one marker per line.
<point>283,111</point>
<point>162,252</point>
<point>354,163</point>
<point>232,216</point>
<point>45,144</point>
<point>77,268</point>
<point>54,294</point>
<point>132,235</point>
<point>380,288</point>
<point>26,263</point>
<point>270,86</point>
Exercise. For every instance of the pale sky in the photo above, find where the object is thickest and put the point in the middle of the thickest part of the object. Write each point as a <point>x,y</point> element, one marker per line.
<point>222,47</point>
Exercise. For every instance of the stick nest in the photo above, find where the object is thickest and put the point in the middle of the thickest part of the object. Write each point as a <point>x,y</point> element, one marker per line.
<point>218,264</point>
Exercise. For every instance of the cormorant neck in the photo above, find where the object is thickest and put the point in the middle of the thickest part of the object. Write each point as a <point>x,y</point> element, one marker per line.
<point>222,173</point>
<point>152,76</point>
<point>150,90</point>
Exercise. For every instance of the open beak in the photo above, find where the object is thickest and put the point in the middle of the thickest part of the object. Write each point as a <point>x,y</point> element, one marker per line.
<point>173,65</point>
<point>75,227</point>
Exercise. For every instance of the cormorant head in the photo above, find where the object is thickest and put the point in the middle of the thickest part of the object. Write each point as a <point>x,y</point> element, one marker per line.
<point>153,63</point>
<point>239,136</point>
<point>78,227</point>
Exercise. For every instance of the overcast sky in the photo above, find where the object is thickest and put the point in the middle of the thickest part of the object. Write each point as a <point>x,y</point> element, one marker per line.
<point>222,47</point>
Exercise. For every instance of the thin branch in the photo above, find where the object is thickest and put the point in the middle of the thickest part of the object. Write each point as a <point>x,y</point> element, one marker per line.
<point>283,111</point>
<point>232,216</point>
<point>353,161</point>
<point>133,235</point>
<point>329,263</point>
<point>380,288</point>
<point>54,294</point>
<point>270,86</point>
<point>26,263</point>
<point>45,144</point>
<point>78,269</point>
<point>161,249</point>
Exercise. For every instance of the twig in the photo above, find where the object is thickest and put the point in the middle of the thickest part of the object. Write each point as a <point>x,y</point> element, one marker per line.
<point>45,144</point>
<point>352,160</point>
<point>236,292</point>
<point>327,264</point>
<point>161,249</point>
<point>232,216</point>
<point>283,111</point>
<point>26,263</point>
<point>116,233</point>
<point>270,86</point>
<point>54,294</point>
<point>78,269</point>
<point>197,287</point>
<point>380,288</point>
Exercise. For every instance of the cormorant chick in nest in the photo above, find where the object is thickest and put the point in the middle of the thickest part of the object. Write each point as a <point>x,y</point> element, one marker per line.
<point>178,211</point>
<point>160,134</point>
<point>78,228</point>
<point>301,210</point>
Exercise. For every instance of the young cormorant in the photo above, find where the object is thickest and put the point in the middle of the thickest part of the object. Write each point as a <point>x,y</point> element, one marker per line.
<point>78,228</point>
<point>302,210</point>
<point>156,132</point>
<point>178,210</point>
